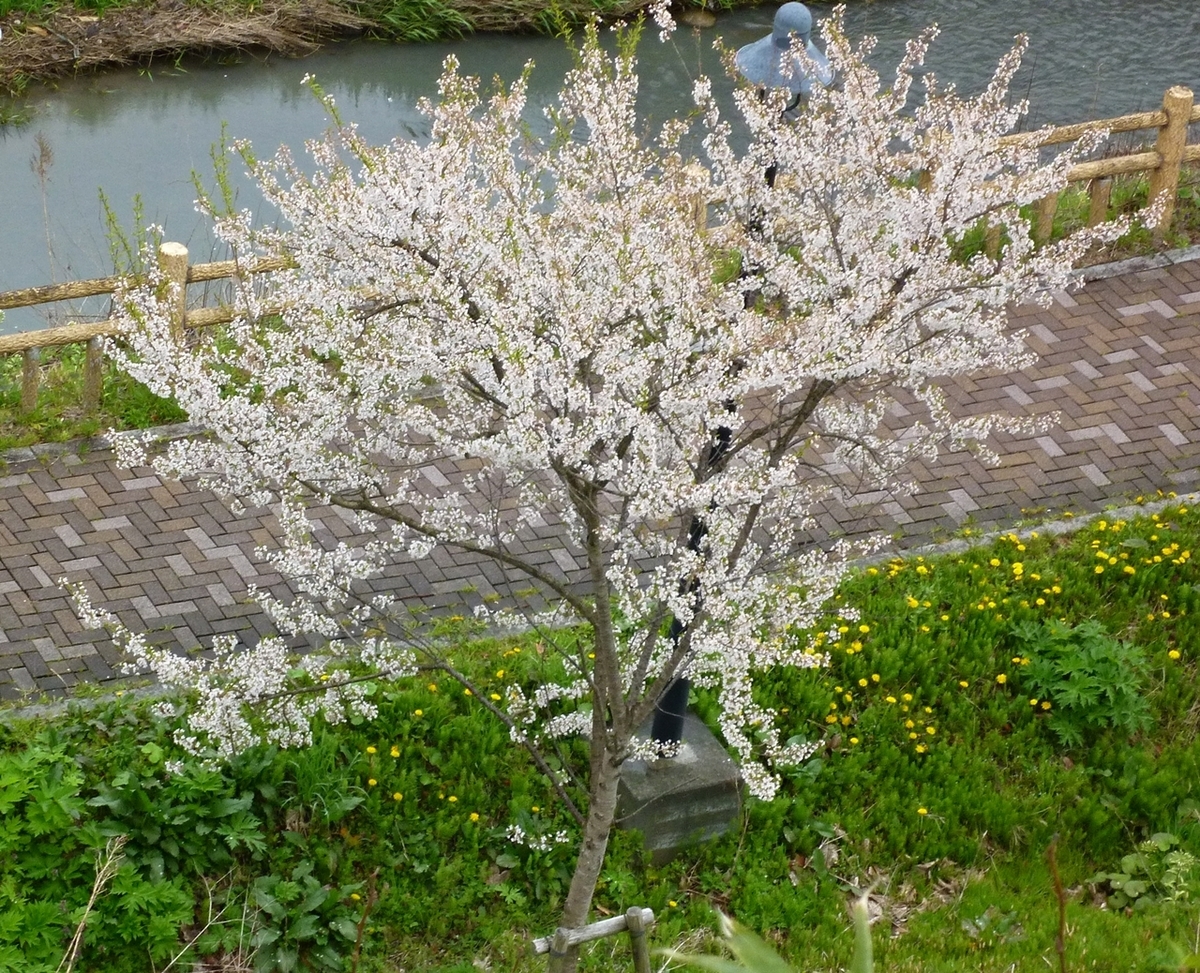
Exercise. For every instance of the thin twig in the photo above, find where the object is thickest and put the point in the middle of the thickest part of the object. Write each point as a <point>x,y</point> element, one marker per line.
<point>106,868</point>
<point>1060,941</point>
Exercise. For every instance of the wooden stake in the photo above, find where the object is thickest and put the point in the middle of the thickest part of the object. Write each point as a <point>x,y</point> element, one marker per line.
<point>1044,224</point>
<point>637,939</point>
<point>1172,137</point>
<point>31,377</point>
<point>93,375</point>
<point>173,262</point>
<point>1099,193</point>
<point>991,245</point>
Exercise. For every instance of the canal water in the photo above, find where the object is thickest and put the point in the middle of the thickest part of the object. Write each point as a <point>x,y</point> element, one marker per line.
<point>133,132</point>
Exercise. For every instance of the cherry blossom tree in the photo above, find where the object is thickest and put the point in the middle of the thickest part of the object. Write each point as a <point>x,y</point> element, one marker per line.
<point>660,353</point>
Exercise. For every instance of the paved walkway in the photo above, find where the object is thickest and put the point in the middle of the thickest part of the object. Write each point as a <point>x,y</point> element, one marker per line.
<point>1119,360</point>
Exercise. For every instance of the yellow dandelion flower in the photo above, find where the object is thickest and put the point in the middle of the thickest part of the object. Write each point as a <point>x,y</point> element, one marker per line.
<point>864,629</point>
<point>912,736</point>
<point>945,618</point>
<point>535,809</point>
<point>874,677</point>
<point>1040,602</point>
<point>922,811</point>
<point>397,796</point>
<point>432,687</point>
<point>474,815</point>
<point>1002,679</point>
<point>863,683</point>
<point>931,730</point>
<point>395,751</point>
<point>371,782</point>
<point>994,562</point>
<point>371,750</point>
<point>907,697</point>
<point>418,712</point>
<point>1173,654</point>
<point>963,683</point>
<point>452,799</point>
<point>1166,614</point>
<point>494,696</point>
<point>921,748</point>
<point>891,699</point>
<point>853,740</point>
<point>1046,704</point>
<point>909,724</point>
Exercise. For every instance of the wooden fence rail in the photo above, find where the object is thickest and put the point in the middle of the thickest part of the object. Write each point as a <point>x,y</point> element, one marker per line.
<point>172,260</point>
<point>1171,151</point>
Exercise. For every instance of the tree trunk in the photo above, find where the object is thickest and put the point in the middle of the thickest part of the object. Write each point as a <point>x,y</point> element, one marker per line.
<point>602,811</point>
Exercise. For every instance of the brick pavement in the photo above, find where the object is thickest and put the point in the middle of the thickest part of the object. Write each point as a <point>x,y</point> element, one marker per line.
<point>1119,360</point>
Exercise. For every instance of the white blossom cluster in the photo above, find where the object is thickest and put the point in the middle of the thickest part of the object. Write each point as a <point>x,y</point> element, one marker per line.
<point>246,695</point>
<point>484,330</point>
<point>538,842</point>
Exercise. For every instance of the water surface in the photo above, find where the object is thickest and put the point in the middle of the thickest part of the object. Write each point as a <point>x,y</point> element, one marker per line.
<point>144,132</point>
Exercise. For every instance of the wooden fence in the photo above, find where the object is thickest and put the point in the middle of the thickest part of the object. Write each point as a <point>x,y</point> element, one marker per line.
<point>1171,151</point>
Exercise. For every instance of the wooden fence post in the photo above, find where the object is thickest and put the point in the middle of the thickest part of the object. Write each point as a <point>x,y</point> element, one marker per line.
<point>1099,193</point>
<point>1043,224</point>
<point>31,378</point>
<point>92,374</point>
<point>173,262</point>
<point>1172,137</point>
<point>991,242</point>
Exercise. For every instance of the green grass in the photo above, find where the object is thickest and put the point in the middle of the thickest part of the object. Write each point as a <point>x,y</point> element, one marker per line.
<point>60,416</point>
<point>948,828</point>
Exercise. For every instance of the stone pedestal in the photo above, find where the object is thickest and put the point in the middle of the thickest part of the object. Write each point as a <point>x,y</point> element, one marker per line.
<point>683,800</point>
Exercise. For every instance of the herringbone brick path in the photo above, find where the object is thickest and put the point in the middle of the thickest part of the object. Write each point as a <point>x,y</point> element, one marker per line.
<point>1118,360</point>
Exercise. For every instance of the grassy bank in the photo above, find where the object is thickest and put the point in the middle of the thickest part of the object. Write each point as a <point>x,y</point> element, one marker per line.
<point>44,39</point>
<point>980,705</point>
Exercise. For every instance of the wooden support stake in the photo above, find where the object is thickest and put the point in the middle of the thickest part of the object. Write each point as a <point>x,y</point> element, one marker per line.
<point>637,939</point>
<point>1099,193</point>
<point>173,262</point>
<point>1172,137</point>
<point>93,374</point>
<point>560,948</point>
<point>1044,224</point>
<point>31,378</point>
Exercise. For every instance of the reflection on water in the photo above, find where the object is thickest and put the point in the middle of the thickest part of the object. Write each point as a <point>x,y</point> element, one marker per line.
<point>134,132</point>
